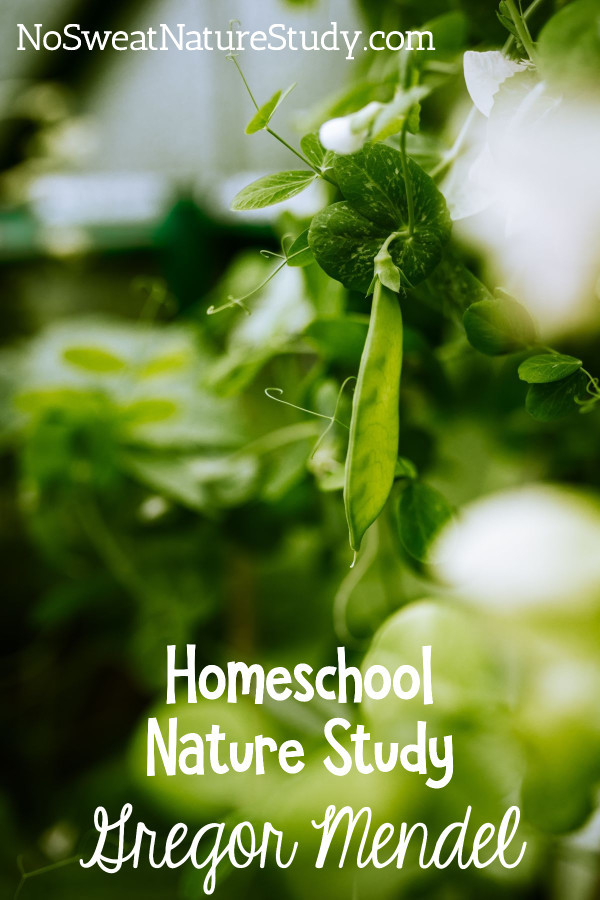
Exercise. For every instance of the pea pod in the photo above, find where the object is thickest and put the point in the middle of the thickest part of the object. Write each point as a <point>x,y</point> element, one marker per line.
<point>373,445</point>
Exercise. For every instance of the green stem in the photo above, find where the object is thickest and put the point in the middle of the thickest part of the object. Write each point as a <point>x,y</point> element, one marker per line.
<point>352,579</point>
<point>301,156</point>
<point>592,387</point>
<point>233,59</point>
<point>274,134</point>
<point>526,15</point>
<point>25,876</point>
<point>239,301</point>
<point>410,199</point>
<point>291,149</point>
<point>522,29</point>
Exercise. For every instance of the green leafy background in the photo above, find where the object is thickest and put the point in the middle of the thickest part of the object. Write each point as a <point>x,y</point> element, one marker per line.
<point>152,492</point>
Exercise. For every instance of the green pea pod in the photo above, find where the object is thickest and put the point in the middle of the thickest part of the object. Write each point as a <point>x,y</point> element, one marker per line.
<point>373,446</point>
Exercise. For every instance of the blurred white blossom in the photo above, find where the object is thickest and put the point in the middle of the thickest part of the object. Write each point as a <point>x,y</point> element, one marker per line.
<point>484,73</point>
<point>526,190</point>
<point>527,548</point>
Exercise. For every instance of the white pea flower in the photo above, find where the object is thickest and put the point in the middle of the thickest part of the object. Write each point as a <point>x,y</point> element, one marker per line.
<point>347,134</point>
<point>524,191</point>
<point>524,549</point>
<point>484,73</point>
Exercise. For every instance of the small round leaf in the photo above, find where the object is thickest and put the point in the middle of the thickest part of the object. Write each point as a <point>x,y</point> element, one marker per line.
<point>498,326</point>
<point>548,367</point>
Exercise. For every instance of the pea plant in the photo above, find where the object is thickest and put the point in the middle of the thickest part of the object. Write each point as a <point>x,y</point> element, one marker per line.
<point>387,234</point>
<point>177,477</point>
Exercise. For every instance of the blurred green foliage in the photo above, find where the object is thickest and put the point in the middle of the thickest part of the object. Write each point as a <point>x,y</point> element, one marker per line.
<point>155,492</point>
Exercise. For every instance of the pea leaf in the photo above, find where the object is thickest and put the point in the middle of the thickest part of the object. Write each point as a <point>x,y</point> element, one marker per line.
<point>568,48</point>
<point>405,468</point>
<point>372,182</point>
<point>556,399</point>
<point>161,365</point>
<point>144,412</point>
<point>272,189</point>
<point>198,482</point>
<point>422,513</point>
<point>499,325</point>
<point>345,237</point>
<point>345,244</point>
<point>263,116</point>
<point>315,152</point>
<point>548,367</point>
<point>300,254</point>
<point>451,287</point>
<point>94,359</point>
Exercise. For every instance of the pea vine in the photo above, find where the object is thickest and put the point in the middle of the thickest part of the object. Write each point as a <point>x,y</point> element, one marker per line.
<point>386,233</point>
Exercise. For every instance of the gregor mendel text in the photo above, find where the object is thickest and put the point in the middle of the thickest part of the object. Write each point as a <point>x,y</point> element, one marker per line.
<point>348,835</point>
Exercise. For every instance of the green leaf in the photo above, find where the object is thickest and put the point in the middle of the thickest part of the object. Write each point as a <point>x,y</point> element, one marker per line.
<point>345,244</point>
<point>451,287</point>
<point>340,340</point>
<point>451,32</point>
<point>300,254</point>
<point>557,802</point>
<point>161,365</point>
<point>568,49</point>
<point>498,326</point>
<point>405,468</point>
<point>272,189</point>
<point>547,402</point>
<point>345,237</point>
<point>315,152</point>
<point>391,118</point>
<point>144,412</point>
<point>422,514</point>
<point>263,116</point>
<point>199,482</point>
<point>548,367</point>
<point>94,359</point>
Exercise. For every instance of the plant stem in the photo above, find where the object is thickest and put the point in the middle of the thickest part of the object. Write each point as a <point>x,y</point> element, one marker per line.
<point>291,149</point>
<point>233,59</point>
<point>526,15</point>
<point>57,865</point>
<point>410,199</point>
<point>239,301</point>
<point>274,133</point>
<point>522,29</point>
<point>301,156</point>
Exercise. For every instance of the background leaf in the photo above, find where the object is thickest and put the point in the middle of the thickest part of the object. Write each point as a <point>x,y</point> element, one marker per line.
<point>94,359</point>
